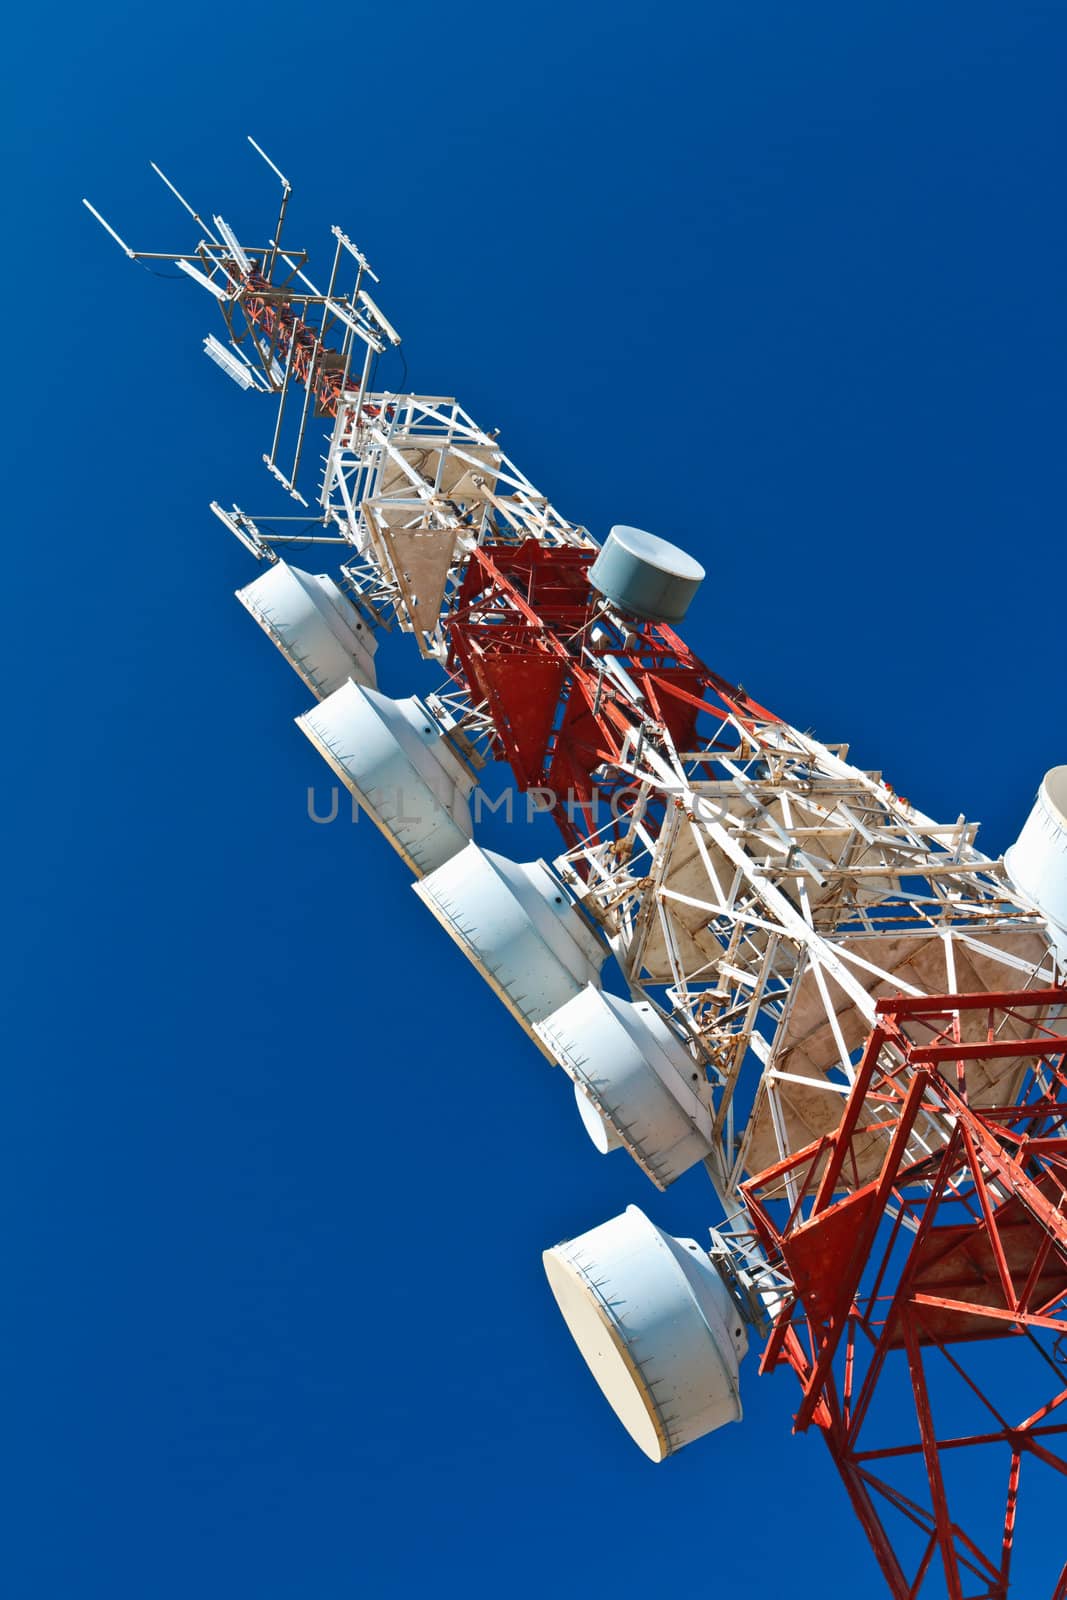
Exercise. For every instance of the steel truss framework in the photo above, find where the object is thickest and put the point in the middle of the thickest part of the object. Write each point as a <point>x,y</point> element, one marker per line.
<point>766,896</point>
<point>937,1252</point>
<point>784,894</point>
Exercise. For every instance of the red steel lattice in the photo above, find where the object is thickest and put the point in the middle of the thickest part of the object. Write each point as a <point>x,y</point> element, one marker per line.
<point>952,1235</point>
<point>523,640</point>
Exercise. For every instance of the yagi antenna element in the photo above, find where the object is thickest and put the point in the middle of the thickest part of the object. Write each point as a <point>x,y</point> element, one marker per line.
<point>109,229</point>
<point>203,279</point>
<point>286,185</point>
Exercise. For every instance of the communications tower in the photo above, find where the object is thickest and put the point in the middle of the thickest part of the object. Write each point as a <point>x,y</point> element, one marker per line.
<point>838,1006</point>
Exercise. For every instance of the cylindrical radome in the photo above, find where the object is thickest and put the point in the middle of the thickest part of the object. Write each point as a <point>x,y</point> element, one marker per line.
<point>319,632</point>
<point>645,575</point>
<point>396,759</point>
<point>1037,861</point>
<point>638,1079</point>
<point>656,1326</point>
<point>520,926</point>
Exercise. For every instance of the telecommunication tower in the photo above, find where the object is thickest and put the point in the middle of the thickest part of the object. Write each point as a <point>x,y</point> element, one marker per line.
<point>841,1009</point>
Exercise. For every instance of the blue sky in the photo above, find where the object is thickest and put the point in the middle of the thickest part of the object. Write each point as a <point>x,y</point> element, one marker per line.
<point>782,283</point>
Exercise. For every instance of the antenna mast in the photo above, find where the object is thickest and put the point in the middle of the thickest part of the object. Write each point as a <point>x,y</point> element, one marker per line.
<point>842,1009</point>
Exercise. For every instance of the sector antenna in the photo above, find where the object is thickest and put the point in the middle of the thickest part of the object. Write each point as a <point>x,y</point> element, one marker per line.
<point>836,1006</point>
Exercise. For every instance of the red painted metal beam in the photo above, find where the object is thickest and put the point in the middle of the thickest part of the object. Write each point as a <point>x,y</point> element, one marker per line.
<point>870,1292</point>
<point>939,1005</point>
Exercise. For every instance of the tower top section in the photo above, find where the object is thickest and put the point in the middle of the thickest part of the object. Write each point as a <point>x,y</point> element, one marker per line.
<point>283,332</point>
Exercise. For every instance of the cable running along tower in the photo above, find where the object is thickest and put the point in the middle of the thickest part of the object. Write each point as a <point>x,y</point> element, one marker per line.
<point>837,1005</point>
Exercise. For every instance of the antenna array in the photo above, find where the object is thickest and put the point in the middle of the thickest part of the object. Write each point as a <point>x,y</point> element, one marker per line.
<point>838,1006</point>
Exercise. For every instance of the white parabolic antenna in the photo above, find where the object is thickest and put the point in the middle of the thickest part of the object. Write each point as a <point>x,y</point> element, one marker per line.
<point>1037,861</point>
<point>635,1081</point>
<point>521,928</point>
<point>317,630</point>
<point>395,757</point>
<point>656,1327</point>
